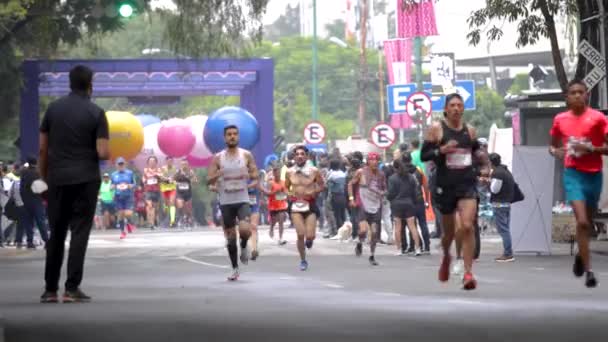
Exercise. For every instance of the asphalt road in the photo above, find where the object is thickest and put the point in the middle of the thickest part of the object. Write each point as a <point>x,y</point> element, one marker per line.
<point>171,286</point>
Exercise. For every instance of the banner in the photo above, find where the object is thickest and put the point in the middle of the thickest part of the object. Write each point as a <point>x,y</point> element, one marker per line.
<point>398,53</point>
<point>416,20</point>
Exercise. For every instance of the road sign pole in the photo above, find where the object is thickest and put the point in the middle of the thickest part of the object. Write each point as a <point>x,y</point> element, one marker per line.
<point>603,86</point>
<point>314,60</point>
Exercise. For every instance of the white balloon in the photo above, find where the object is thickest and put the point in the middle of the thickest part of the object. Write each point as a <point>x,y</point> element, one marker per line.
<point>150,146</point>
<point>197,125</point>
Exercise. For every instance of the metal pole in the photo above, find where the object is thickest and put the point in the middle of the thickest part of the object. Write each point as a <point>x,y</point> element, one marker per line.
<point>603,86</point>
<point>381,89</point>
<point>362,65</point>
<point>315,114</point>
<point>419,85</point>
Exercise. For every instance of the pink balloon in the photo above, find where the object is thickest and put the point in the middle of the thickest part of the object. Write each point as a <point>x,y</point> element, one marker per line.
<point>175,139</point>
<point>196,162</point>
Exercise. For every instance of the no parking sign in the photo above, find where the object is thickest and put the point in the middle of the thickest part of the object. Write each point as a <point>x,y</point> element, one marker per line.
<point>382,135</point>
<point>314,132</point>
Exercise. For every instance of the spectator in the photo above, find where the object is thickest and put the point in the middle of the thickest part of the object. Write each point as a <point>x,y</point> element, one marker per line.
<point>76,130</point>
<point>336,187</point>
<point>415,152</point>
<point>34,208</point>
<point>502,187</point>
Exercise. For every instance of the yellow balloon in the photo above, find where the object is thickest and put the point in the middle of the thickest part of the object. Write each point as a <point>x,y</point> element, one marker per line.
<point>126,135</point>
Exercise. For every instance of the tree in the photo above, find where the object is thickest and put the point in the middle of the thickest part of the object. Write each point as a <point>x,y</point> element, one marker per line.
<point>286,25</point>
<point>536,20</point>
<point>337,28</point>
<point>490,110</point>
<point>520,83</point>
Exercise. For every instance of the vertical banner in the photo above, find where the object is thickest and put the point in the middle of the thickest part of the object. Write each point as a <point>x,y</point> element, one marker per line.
<point>416,20</point>
<point>398,53</point>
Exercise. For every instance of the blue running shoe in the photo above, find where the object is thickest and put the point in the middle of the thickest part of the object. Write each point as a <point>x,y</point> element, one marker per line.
<point>303,265</point>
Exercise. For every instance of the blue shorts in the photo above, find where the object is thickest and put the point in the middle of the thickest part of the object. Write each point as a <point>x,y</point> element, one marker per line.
<point>107,207</point>
<point>123,202</point>
<point>583,186</point>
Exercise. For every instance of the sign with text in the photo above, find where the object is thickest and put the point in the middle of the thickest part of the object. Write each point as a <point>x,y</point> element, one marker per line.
<point>382,135</point>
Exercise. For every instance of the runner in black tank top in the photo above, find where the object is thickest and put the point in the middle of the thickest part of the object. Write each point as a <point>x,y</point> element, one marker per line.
<point>453,146</point>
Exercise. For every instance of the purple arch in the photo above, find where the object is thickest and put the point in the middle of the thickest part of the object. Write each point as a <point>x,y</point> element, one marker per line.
<point>251,79</point>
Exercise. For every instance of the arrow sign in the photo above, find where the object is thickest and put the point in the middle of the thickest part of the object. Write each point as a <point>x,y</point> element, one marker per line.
<point>314,132</point>
<point>419,102</point>
<point>382,135</point>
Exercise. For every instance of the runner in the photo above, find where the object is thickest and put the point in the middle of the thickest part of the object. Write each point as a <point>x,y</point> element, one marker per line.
<point>305,183</point>
<point>233,167</point>
<point>579,136</point>
<point>123,183</point>
<point>151,177</point>
<point>253,190</point>
<point>184,178</point>
<point>168,189</point>
<point>452,145</point>
<point>403,197</point>
<point>106,197</point>
<point>277,203</point>
<point>369,197</point>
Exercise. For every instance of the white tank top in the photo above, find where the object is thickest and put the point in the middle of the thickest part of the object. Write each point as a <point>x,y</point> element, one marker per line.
<point>232,188</point>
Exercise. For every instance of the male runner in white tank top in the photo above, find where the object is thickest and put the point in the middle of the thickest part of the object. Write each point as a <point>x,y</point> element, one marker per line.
<point>231,169</point>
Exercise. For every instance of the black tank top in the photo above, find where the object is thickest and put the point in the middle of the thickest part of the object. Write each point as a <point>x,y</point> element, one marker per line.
<point>456,168</point>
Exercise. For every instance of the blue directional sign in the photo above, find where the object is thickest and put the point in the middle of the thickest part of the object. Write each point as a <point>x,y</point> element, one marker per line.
<point>318,148</point>
<point>398,94</point>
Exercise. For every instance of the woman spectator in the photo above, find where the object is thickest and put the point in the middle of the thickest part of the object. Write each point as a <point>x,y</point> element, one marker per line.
<point>403,195</point>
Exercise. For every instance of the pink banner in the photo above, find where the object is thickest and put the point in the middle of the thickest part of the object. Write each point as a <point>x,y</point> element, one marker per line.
<point>416,20</point>
<point>398,53</point>
<point>515,123</point>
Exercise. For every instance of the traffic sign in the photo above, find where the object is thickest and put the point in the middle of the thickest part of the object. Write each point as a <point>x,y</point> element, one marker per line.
<point>314,132</point>
<point>382,135</point>
<point>419,102</point>
<point>397,95</point>
<point>594,57</point>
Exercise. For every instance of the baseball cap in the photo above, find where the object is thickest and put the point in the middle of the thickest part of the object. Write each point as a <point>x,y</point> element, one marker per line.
<point>120,160</point>
<point>106,174</point>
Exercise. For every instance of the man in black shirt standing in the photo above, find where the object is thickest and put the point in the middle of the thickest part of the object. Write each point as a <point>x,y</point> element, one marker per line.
<point>73,139</point>
<point>502,187</point>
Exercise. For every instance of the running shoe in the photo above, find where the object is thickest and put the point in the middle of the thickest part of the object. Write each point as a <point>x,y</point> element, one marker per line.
<point>426,251</point>
<point>123,235</point>
<point>444,269</point>
<point>359,249</point>
<point>590,282</point>
<point>282,242</point>
<point>303,265</point>
<point>373,261</point>
<point>49,297</point>
<point>469,282</point>
<point>418,252</point>
<point>578,268</point>
<point>235,275</point>
<point>254,255</point>
<point>130,228</point>
<point>505,258</point>
<point>244,256</point>
<point>458,268</point>
<point>309,244</point>
<point>76,296</point>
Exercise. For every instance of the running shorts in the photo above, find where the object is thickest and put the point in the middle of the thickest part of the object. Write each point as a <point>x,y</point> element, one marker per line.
<point>583,186</point>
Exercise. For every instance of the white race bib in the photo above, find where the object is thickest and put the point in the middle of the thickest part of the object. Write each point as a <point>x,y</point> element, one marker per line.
<point>152,181</point>
<point>183,186</point>
<point>122,186</point>
<point>234,186</point>
<point>253,200</point>
<point>280,196</point>
<point>458,160</point>
<point>300,206</point>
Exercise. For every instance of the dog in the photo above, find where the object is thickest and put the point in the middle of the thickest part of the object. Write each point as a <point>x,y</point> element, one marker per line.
<point>344,232</point>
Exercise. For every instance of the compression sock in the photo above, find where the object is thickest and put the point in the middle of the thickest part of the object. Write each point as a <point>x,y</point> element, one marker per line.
<point>233,253</point>
<point>172,214</point>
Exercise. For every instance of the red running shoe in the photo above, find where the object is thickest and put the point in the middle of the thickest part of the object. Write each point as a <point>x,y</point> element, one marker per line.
<point>130,228</point>
<point>469,282</point>
<point>444,269</point>
<point>123,235</point>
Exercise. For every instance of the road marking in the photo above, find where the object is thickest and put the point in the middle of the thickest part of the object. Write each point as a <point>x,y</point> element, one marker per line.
<point>390,294</point>
<point>464,301</point>
<point>202,262</point>
<point>538,268</point>
<point>334,286</point>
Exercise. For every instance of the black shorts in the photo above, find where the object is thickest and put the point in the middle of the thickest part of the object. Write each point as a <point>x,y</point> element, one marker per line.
<point>446,198</point>
<point>403,211</point>
<point>152,196</point>
<point>185,196</point>
<point>369,217</point>
<point>314,209</point>
<point>230,212</point>
<point>277,212</point>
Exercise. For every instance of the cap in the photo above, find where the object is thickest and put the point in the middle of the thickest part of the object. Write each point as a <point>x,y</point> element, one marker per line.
<point>120,160</point>
<point>373,155</point>
<point>106,174</point>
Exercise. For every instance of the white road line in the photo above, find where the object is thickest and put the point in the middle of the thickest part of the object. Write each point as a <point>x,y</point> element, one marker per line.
<point>334,286</point>
<point>538,268</point>
<point>202,262</point>
<point>390,294</point>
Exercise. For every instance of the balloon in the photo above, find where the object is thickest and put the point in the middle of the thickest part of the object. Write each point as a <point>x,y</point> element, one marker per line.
<point>197,125</point>
<point>147,119</point>
<point>269,159</point>
<point>249,130</point>
<point>196,162</point>
<point>126,135</point>
<point>175,138</point>
<point>150,146</point>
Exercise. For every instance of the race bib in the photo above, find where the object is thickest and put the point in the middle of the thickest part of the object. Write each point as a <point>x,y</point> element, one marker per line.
<point>458,160</point>
<point>183,186</point>
<point>152,181</point>
<point>122,186</point>
<point>300,206</point>
<point>253,200</point>
<point>280,196</point>
<point>234,186</point>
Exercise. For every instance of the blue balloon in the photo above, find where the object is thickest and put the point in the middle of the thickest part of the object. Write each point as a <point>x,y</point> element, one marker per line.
<point>269,159</point>
<point>249,130</point>
<point>147,119</point>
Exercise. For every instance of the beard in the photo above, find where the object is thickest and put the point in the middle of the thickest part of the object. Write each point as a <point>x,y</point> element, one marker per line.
<point>232,144</point>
